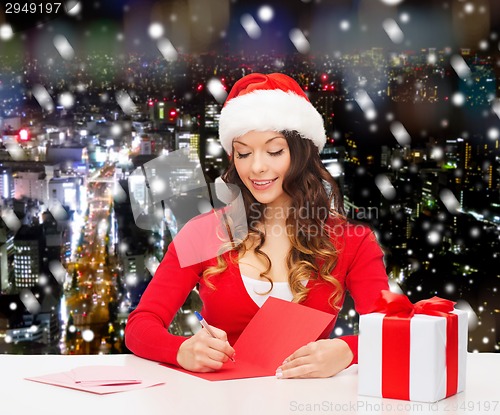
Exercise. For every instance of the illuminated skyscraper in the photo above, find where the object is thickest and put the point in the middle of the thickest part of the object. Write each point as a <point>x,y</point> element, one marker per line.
<point>28,248</point>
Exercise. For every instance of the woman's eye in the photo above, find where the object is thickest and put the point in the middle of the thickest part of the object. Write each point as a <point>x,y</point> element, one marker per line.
<point>276,153</point>
<point>242,155</point>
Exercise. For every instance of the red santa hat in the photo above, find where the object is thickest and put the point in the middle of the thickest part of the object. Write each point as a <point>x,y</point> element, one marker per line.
<point>273,102</point>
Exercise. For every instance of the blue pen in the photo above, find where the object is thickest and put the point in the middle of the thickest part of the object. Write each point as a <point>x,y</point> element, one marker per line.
<point>207,328</point>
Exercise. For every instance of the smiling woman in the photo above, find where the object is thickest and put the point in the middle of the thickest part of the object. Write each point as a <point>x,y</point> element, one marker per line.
<point>262,159</point>
<point>300,246</point>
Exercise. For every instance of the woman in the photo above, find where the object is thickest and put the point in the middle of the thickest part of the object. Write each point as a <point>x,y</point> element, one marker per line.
<point>300,246</point>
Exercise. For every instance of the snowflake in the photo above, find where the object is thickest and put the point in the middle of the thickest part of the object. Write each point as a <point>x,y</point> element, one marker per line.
<point>404,17</point>
<point>73,7</point>
<point>58,271</point>
<point>251,26</point>
<point>29,301</point>
<point>131,279</point>
<point>469,8</point>
<point>458,99</point>
<point>158,185</point>
<point>299,41</point>
<point>483,44</point>
<point>43,97</point>
<point>345,25</point>
<point>119,195</point>
<point>64,48</point>
<point>167,49</point>
<point>366,104</point>
<point>66,99</point>
<point>57,210</point>
<point>399,132</point>
<point>493,133</point>
<point>123,247</point>
<point>125,102</point>
<point>265,13</point>
<point>155,30</point>
<point>88,335</point>
<point>392,2</point>
<point>385,186</point>
<point>6,32</point>
<point>460,66</point>
<point>434,237</point>
<point>216,88</point>
<point>393,30</point>
<point>152,264</point>
<point>449,288</point>
<point>449,200</point>
<point>43,280</point>
<point>10,219</point>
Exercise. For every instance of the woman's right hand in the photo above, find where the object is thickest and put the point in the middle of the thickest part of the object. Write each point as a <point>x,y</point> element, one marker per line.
<point>203,353</point>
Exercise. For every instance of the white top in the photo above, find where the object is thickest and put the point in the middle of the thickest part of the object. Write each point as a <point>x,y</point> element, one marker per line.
<point>188,395</point>
<point>258,290</point>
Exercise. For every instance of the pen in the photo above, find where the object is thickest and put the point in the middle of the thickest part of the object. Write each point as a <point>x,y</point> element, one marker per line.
<point>207,328</point>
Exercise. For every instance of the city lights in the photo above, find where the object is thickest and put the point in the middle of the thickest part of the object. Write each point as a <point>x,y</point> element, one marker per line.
<point>411,110</point>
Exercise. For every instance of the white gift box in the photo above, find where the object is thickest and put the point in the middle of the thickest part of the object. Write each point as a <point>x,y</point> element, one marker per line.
<point>427,356</point>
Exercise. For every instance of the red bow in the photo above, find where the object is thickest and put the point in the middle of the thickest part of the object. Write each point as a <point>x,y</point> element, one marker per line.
<point>398,305</point>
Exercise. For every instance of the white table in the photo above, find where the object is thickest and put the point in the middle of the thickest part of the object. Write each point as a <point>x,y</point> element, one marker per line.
<point>184,394</point>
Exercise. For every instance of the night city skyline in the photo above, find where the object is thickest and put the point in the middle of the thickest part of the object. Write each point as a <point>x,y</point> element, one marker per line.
<point>410,95</point>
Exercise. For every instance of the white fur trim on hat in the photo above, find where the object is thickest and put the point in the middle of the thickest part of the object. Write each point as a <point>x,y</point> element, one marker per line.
<point>270,110</point>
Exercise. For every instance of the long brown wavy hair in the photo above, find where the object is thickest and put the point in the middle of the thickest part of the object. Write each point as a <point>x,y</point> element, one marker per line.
<point>316,197</point>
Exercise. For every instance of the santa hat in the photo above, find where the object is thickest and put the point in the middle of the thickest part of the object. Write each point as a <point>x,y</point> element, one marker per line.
<point>273,102</point>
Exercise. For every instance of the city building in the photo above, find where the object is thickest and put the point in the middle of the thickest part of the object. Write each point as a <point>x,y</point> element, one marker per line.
<point>31,185</point>
<point>6,257</point>
<point>29,247</point>
<point>67,191</point>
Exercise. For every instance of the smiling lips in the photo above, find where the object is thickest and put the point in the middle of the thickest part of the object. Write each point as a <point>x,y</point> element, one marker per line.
<point>263,184</point>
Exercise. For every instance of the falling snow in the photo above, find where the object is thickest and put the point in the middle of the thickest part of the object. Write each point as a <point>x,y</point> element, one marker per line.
<point>10,219</point>
<point>57,210</point>
<point>6,32</point>
<point>73,7</point>
<point>125,102</point>
<point>88,335</point>
<point>299,41</point>
<point>366,104</point>
<point>64,47</point>
<point>29,300</point>
<point>385,186</point>
<point>251,26</point>
<point>437,227</point>
<point>43,97</point>
<point>167,49</point>
<point>152,264</point>
<point>400,134</point>
<point>265,13</point>
<point>460,66</point>
<point>217,90</point>
<point>393,30</point>
<point>450,201</point>
<point>67,100</point>
<point>155,30</point>
<point>58,271</point>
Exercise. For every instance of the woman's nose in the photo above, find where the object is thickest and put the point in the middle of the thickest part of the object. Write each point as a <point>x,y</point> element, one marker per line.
<point>258,164</point>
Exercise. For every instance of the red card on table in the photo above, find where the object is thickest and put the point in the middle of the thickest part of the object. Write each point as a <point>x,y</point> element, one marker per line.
<point>277,330</point>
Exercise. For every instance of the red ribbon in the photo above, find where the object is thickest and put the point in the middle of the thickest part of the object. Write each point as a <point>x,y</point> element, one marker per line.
<point>399,310</point>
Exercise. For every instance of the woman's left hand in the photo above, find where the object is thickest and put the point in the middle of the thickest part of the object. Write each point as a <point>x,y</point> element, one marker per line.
<point>319,359</point>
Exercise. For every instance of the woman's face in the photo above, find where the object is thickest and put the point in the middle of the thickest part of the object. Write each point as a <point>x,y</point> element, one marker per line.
<point>262,158</point>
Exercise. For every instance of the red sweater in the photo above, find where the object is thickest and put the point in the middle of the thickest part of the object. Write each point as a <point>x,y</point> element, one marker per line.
<point>360,270</point>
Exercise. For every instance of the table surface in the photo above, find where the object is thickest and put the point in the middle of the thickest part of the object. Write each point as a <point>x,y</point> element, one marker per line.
<point>184,394</point>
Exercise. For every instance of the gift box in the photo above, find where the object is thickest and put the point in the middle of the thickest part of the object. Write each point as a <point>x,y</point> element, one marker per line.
<point>414,352</point>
